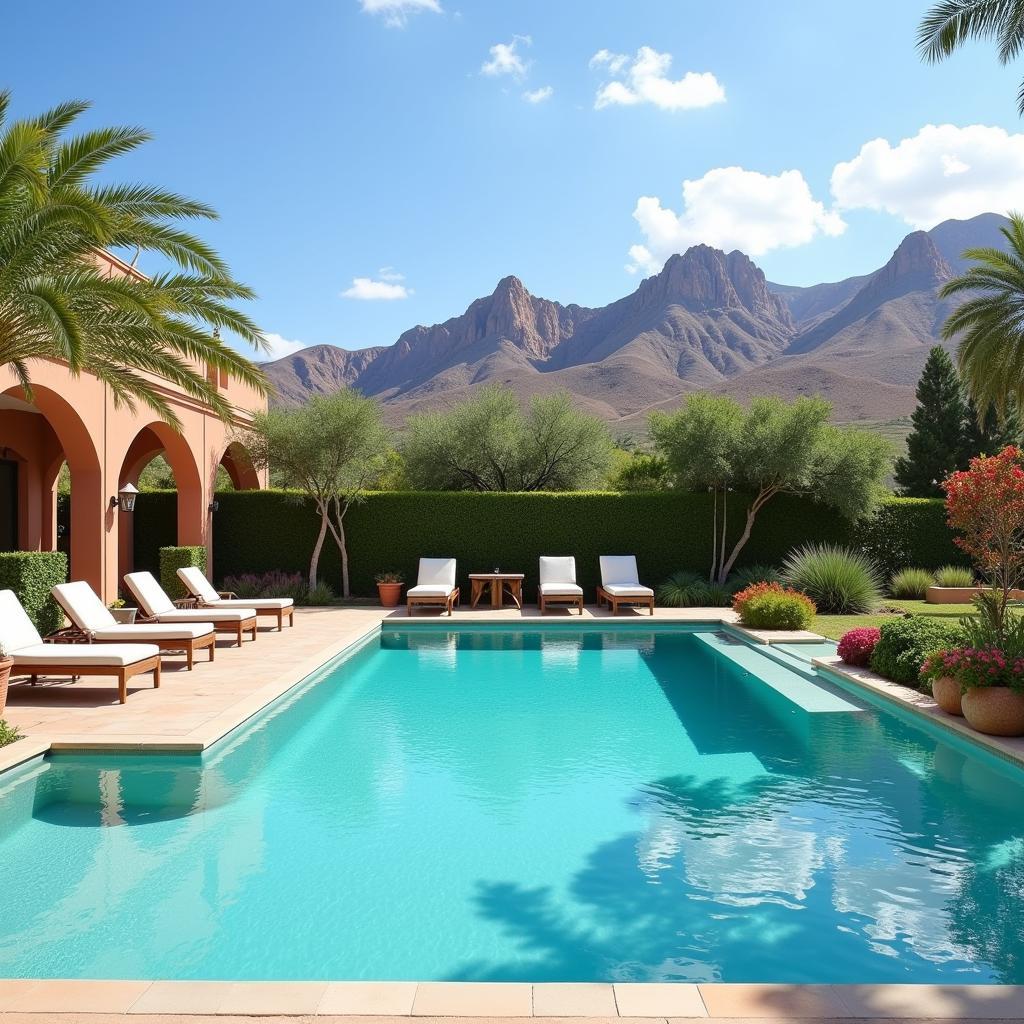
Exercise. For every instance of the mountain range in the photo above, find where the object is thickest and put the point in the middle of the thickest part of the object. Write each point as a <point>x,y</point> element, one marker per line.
<point>709,320</point>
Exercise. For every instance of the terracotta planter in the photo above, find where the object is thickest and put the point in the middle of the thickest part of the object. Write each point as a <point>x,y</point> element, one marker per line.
<point>961,595</point>
<point>390,594</point>
<point>995,710</point>
<point>946,692</point>
<point>5,674</point>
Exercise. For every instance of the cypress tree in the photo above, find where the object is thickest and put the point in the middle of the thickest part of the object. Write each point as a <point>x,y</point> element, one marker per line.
<point>992,436</point>
<point>936,445</point>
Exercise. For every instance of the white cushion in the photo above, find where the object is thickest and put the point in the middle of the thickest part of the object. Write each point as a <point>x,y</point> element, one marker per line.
<point>439,572</point>
<point>197,583</point>
<point>150,595</point>
<point>625,590</point>
<point>562,589</point>
<point>82,605</point>
<point>619,569</point>
<point>16,629</point>
<point>429,590</point>
<point>83,654</point>
<point>251,602</point>
<point>154,631</point>
<point>206,614</point>
<point>558,569</point>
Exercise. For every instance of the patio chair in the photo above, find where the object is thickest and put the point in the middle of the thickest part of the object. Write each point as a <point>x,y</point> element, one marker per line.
<point>558,583</point>
<point>156,606</point>
<point>201,589</point>
<point>620,584</point>
<point>92,618</point>
<point>33,658</point>
<point>435,585</point>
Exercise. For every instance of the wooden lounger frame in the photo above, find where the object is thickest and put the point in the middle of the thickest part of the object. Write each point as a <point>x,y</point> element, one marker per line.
<point>277,613</point>
<point>570,600</point>
<point>236,626</point>
<point>613,602</point>
<point>440,600</point>
<point>120,672</point>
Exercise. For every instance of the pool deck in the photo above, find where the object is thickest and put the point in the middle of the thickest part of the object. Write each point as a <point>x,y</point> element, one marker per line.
<point>192,710</point>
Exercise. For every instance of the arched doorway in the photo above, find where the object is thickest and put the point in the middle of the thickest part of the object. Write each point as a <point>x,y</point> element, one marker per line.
<point>43,434</point>
<point>154,439</point>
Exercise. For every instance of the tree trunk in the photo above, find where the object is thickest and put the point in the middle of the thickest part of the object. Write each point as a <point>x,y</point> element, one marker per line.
<point>714,535</point>
<point>755,507</point>
<point>723,573</point>
<point>314,562</point>
<point>340,508</point>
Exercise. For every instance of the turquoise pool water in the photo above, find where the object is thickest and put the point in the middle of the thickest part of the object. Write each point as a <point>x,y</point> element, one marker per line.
<point>573,804</point>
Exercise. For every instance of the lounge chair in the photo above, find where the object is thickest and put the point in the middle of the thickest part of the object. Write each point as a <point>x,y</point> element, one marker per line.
<point>156,606</point>
<point>22,642</point>
<point>200,588</point>
<point>558,583</point>
<point>93,619</point>
<point>435,585</point>
<point>620,584</point>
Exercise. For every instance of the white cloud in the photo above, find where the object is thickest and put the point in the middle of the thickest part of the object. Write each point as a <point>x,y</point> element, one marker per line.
<point>545,92</point>
<point>506,58</point>
<point>278,347</point>
<point>645,80</point>
<point>385,287</point>
<point>396,12</point>
<point>941,172</point>
<point>732,208</point>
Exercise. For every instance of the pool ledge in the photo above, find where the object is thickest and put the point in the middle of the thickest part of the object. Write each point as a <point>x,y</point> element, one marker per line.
<point>678,1001</point>
<point>1007,748</point>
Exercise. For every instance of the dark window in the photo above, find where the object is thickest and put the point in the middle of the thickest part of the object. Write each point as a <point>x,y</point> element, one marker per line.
<point>8,505</point>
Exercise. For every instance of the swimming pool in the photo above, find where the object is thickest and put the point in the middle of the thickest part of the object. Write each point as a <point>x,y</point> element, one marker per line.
<point>488,803</point>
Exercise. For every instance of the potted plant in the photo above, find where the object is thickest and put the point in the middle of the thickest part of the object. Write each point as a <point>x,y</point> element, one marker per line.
<point>122,613</point>
<point>389,587</point>
<point>993,691</point>
<point>939,677</point>
<point>5,674</point>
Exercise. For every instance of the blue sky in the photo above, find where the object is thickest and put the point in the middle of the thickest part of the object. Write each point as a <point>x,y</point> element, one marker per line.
<point>395,141</point>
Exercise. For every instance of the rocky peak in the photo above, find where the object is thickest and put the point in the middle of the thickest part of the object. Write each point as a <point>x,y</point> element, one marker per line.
<point>915,265</point>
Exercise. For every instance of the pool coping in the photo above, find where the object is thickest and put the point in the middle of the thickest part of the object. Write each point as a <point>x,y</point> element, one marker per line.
<point>666,1000</point>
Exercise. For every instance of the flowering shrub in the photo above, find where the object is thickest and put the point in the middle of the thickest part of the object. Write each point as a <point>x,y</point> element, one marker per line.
<point>773,606</point>
<point>975,667</point>
<point>857,645</point>
<point>267,584</point>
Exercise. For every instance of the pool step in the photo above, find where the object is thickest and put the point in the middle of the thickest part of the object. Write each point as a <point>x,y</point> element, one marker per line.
<point>797,688</point>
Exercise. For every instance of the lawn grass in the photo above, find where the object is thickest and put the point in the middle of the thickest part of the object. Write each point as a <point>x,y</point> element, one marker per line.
<point>834,626</point>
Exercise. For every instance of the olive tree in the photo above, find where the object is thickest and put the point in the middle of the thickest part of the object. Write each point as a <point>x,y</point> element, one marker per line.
<point>773,447</point>
<point>489,443</point>
<point>331,450</point>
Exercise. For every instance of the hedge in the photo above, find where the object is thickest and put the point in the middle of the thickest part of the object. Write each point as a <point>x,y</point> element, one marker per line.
<point>173,558</point>
<point>259,531</point>
<point>31,575</point>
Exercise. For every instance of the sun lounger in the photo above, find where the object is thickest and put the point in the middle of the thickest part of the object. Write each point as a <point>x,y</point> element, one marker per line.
<point>201,589</point>
<point>620,584</point>
<point>93,619</point>
<point>435,585</point>
<point>156,606</point>
<point>22,642</point>
<point>558,583</point>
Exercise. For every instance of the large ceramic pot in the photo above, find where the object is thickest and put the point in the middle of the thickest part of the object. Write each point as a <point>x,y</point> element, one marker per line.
<point>5,675</point>
<point>946,692</point>
<point>390,594</point>
<point>995,710</point>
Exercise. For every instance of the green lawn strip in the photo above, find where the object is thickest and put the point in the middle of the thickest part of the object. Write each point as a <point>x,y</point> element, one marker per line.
<point>834,626</point>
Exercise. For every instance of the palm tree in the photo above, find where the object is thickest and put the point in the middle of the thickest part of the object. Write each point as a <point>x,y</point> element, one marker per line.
<point>56,302</point>
<point>990,322</point>
<point>950,23</point>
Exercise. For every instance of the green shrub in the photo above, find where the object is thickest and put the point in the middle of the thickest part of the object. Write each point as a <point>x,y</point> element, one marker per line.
<point>743,578</point>
<point>839,580</point>
<point>174,558</point>
<point>770,605</point>
<point>910,584</point>
<point>320,595</point>
<point>954,576</point>
<point>261,531</point>
<point>688,590</point>
<point>906,642</point>
<point>8,733</point>
<point>31,575</point>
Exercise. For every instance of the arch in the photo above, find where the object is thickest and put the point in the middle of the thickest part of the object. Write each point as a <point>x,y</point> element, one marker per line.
<point>238,463</point>
<point>65,434</point>
<point>150,440</point>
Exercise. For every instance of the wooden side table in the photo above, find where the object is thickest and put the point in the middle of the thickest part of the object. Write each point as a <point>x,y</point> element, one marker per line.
<point>500,584</point>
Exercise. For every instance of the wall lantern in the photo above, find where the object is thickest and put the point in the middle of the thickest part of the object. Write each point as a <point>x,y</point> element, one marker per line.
<point>214,506</point>
<point>125,499</point>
